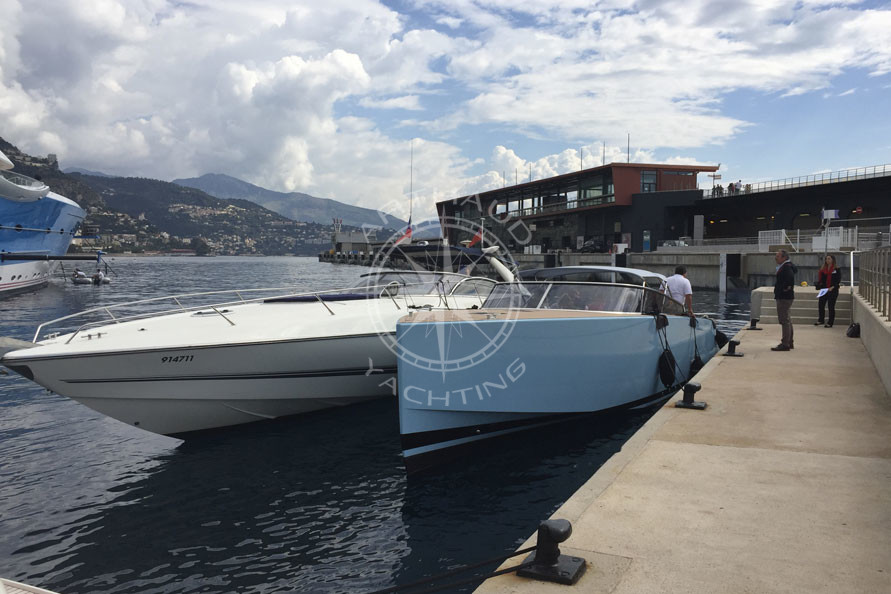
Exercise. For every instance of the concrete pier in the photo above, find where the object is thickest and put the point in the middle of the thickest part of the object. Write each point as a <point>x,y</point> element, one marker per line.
<point>783,484</point>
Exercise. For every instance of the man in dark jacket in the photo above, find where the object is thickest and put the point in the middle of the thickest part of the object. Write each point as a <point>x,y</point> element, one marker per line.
<point>784,293</point>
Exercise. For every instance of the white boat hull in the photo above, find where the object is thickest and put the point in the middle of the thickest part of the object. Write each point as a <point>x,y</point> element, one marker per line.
<point>202,370</point>
<point>25,276</point>
<point>220,386</point>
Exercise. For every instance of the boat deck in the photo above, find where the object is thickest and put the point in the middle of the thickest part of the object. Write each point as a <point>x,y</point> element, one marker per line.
<point>473,315</point>
<point>783,484</point>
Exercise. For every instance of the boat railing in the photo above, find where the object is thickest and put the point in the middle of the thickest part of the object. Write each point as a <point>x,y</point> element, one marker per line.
<point>118,313</point>
<point>591,296</point>
<point>22,180</point>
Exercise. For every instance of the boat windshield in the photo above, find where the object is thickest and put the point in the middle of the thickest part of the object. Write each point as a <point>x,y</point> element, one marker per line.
<point>607,297</point>
<point>22,180</point>
<point>426,283</point>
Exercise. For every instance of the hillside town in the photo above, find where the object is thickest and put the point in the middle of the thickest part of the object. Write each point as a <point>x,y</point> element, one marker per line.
<point>229,231</point>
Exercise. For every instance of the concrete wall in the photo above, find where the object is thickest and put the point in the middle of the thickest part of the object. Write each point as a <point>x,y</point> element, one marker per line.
<point>875,333</point>
<point>757,270</point>
<point>804,308</point>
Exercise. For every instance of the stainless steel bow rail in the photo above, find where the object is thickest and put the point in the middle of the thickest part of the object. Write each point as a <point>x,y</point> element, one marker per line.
<point>218,308</point>
<point>544,563</point>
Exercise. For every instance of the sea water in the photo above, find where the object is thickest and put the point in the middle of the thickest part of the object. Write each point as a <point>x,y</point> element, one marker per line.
<point>314,503</point>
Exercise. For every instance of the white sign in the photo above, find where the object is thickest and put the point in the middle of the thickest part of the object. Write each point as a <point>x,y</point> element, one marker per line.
<point>830,214</point>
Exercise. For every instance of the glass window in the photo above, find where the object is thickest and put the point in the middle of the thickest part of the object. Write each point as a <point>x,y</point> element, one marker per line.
<point>410,283</point>
<point>474,286</point>
<point>656,302</point>
<point>648,181</point>
<point>628,278</point>
<point>609,298</point>
<point>513,295</point>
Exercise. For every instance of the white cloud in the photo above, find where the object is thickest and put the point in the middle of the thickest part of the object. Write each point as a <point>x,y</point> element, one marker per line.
<point>450,22</point>
<point>848,92</point>
<point>410,102</point>
<point>262,90</point>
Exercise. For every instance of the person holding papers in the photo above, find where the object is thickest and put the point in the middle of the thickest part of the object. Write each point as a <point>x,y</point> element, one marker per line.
<point>828,282</point>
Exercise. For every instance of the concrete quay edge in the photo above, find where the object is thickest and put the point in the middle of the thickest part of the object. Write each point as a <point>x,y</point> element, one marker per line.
<point>782,485</point>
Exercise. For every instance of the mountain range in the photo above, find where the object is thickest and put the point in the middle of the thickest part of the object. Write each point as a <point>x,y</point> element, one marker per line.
<point>234,215</point>
<point>293,205</point>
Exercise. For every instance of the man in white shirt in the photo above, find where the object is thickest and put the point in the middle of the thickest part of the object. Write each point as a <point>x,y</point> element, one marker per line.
<point>678,288</point>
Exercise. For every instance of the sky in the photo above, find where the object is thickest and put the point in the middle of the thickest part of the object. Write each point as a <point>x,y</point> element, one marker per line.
<point>372,102</point>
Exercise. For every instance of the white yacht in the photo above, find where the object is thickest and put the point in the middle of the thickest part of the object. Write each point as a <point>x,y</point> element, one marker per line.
<point>245,359</point>
<point>36,227</point>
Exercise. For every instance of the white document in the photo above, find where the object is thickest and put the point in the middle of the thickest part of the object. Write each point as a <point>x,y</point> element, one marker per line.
<point>822,292</point>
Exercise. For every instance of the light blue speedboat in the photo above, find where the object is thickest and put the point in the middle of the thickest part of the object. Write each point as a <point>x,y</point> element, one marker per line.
<point>542,351</point>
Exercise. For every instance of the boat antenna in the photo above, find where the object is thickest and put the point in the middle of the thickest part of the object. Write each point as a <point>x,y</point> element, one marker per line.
<point>411,180</point>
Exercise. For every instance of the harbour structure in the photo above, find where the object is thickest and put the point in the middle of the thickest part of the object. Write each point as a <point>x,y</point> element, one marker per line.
<point>641,206</point>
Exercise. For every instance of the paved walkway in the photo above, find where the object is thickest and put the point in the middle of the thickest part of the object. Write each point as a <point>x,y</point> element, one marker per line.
<point>782,485</point>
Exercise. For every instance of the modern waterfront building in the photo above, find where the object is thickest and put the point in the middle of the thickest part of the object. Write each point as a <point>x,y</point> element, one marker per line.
<point>642,205</point>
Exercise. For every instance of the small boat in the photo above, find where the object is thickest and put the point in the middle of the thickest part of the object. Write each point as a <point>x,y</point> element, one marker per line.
<point>11,587</point>
<point>578,340</point>
<point>36,227</point>
<point>248,358</point>
<point>98,278</point>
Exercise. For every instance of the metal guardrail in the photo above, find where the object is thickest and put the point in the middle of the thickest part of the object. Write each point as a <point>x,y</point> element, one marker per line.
<point>860,238</point>
<point>816,179</point>
<point>875,279</point>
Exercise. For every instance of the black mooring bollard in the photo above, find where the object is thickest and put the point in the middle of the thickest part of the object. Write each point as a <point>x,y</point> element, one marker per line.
<point>752,323</point>
<point>731,349</point>
<point>547,563</point>
<point>690,390</point>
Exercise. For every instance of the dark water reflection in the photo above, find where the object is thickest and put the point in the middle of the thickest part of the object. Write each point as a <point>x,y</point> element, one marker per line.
<point>318,503</point>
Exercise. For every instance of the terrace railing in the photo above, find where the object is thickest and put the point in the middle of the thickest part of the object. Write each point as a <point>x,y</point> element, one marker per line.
<point>815,179</point>
<point>875,279</point>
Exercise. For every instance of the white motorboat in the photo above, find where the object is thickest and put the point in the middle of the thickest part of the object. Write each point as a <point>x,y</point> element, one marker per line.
<point>80,278</point>
<point>242,360</point>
